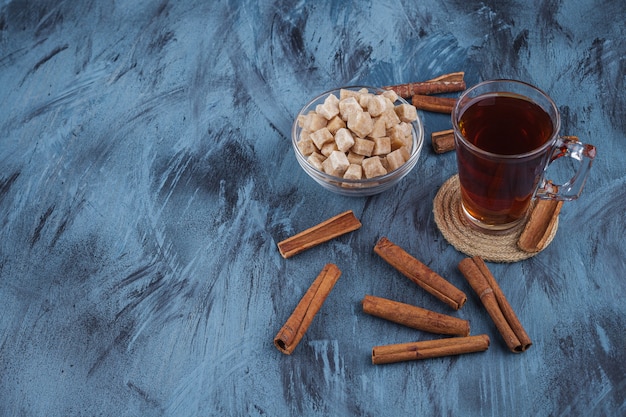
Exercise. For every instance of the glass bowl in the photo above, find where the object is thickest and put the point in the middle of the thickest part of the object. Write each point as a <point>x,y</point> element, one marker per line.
<point>357,187</point>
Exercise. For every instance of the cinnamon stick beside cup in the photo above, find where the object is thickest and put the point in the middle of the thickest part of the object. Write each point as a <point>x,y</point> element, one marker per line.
<point>541,222</point>
<point>297,324</point>
<point>446,83</point>
<point>420,274</point>
<point>443,141</point>
<point>484,284</point>
<point>429,349</point>
<point>434,104</point>
<point>415,317</point>
<point>537,230</point>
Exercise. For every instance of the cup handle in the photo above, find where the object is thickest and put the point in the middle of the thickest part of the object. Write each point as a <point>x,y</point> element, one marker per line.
<point>570,147</point>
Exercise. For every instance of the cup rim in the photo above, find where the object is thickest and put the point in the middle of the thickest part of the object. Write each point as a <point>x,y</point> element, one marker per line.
<point>547,144</point>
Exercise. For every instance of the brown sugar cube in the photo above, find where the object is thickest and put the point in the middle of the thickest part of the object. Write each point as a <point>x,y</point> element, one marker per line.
<point>316,160</point>
<point>335,124</point>
<point>306,146</point>
<point>355,158</point>
<point>360,123</point>
<point>348,106</point>
<point>384,163</point>
<point>336,164</point>
<point>400,136</point>
<point>321,136</point>
<point>330,108</point>
<point>390,117</point>
<point>364,99</point>
<point>382,146</point>
<point>345,93</point>
<point>363,147</point>
<point>328,148</point>
<point>305,135</point>
<point>396,159</point>
<point>380,129</point>
<point>406,128</point>
<point>301,120</point>
<point>390,95</point>
<point>344,139</point>
<point>406,152</point>
<point>354,172</point>
<point>406,112</point>
<point>373,167</point>
<point>403,129</point>
<point>312,122</point>
<point>376,105</point>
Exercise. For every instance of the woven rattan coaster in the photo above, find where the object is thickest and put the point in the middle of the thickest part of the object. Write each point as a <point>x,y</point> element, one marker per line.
<point>500,247</point>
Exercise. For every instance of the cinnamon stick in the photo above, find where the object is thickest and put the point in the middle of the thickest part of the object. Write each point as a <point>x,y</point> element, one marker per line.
<point>415,317</point>
<point>429,349</point>
<point>335,226</point>
<point>443,140</point>
<point>297,324</point>
<point>496,304</point>
<point>542,219</point>
<point>434,104</point>
<point>420,274</point>
<point>539,226</point>
<point>446,83</point>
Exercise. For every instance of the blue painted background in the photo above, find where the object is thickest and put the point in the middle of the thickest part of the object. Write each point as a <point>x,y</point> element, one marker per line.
<point>146,175</point>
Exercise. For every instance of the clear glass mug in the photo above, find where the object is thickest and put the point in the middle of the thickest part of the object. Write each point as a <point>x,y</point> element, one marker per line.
<point>506,135</point>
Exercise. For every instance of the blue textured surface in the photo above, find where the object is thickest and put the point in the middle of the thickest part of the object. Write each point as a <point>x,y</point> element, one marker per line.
<point>146,175</point>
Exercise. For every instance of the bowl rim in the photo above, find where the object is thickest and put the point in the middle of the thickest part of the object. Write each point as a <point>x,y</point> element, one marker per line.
<point>417,130</point>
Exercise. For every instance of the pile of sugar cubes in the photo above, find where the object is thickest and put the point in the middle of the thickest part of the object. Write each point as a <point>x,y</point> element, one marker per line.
<point>358,134</point>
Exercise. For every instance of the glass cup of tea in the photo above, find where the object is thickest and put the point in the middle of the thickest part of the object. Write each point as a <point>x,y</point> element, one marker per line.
<point>506,134</point>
